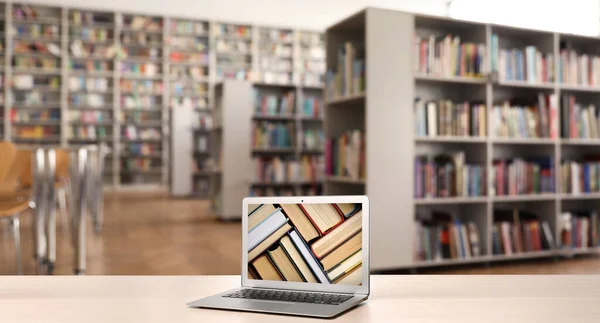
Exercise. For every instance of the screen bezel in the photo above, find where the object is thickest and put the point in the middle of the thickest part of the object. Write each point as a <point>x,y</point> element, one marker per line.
<point>351,289</point>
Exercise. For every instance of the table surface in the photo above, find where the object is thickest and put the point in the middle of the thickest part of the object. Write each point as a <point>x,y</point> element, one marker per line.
<point>408,298</point>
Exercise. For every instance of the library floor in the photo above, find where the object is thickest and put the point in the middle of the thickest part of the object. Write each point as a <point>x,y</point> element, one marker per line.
<point>151,234</point>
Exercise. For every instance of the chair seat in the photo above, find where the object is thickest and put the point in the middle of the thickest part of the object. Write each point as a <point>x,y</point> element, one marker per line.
<point>8,208</point>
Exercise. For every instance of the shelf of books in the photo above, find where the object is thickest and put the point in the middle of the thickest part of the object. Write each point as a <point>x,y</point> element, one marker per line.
<point>275,56</point>
<point>142,114</point>
<point>36,79</point>
<point>500,144</point>
<point>286,147</point>
<point>189,72</point>
<point>91,82</point>
<point>309,60</point>
<point>234,50</point>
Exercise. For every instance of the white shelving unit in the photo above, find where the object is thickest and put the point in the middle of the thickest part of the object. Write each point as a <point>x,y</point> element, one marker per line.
<point>385,113</point>
<point>231,172</point>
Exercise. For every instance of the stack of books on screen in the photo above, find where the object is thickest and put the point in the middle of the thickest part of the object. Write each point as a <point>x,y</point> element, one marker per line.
<point>348,78</point>
<point>578,69</point>
<point>522,64</point>
<point>445,118</point>
<point>316,243</point>
<point>312,107</point>
<point>345,155</point>
<point>579,229</point>
<point>272,135</point>
<point>446,56</point>
<point>448,175</point>
<point>581,177</point>
<point>519,176</point>
<point>517,231</point>
<point>527,118</point>
<point>274,105</point>
<point>577,120</point>
<point>438,236</point>
<point>313,139</point>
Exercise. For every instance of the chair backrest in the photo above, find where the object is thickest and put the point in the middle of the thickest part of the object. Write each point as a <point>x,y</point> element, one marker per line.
<point>8,152</point>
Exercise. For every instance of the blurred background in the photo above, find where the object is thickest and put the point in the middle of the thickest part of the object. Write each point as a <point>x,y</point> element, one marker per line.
<point>130,131</point>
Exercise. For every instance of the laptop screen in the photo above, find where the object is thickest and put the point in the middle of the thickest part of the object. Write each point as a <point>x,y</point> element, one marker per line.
<point>315,243</point>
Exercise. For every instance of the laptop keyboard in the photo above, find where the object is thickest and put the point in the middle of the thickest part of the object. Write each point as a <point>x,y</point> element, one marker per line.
<point>289,296</point>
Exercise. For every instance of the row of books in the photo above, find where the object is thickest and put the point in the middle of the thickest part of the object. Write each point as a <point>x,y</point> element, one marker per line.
<point>131,132</point>
<point>525,65</point>
<point>446,56</point>
<point>274,105</point>
<point>188,27</point>
<point>580,177</point>
<point>527,118</point>
<point>140,101</point>
<point>312,107</point>
<point>89,99</point>
<point>439,237</point>
<point>313,139</point>
<point>272,135</point>
<point>140,163</point>
<point>89,132</point>
<point>35,132</point>
<point>579,229</point>
<point>276,170</point>
<point>316,243</point>
<point>142,86</point>
<point>307,190</point>
<point>90,116</point>
<point>346,155</point>
<point>348,78</point>
<point>28,115</point>
<point>29,82</point>
<point>80,83</point>
<point>445,118</point>
<point>578,69</point>
<point>140,148</point>
<point>523,176</point>
<point>448,176</point>
<point>517,231</point>
<point>577,120</point>
<point>142,69</point>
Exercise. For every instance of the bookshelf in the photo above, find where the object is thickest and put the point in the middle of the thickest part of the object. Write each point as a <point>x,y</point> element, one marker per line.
<point>387,109</point>
<point>293,115</point>
<point>142,106</point>
<point>95,77</point>
<point>35,75</point>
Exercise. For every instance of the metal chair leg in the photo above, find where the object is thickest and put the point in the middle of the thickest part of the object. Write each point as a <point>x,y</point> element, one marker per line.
<point>17,236</point>
<point>62,205</point>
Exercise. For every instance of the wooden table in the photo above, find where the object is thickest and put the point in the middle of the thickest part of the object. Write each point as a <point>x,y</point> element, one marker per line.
<point>460,299</point>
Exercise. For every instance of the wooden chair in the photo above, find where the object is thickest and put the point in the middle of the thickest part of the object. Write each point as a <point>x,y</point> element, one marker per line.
<point>16,179</point>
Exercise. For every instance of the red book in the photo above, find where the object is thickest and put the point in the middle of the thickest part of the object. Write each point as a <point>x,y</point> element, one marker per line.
<point>310,208</point>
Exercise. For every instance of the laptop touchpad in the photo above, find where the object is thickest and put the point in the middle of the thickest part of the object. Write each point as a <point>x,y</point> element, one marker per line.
<point>266,306</point>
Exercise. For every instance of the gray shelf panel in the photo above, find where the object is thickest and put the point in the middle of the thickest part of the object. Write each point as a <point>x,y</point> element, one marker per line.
<point>450,139</point>
<point>452,200</point>
<point>524,141</point>
<point>579,88</point>
<point>273,150</point>
<point>86,108</point>
<point>524,255</point>
<point>36,123</point>
<point>450,79</point>
<point>358,98</point>
<point>524,84</point>
<point>274,117</point>
<point>346,180</point>
<point>580,141</point>
<point>581,196</point>
<point>525,198</point>
<point>36,71</point>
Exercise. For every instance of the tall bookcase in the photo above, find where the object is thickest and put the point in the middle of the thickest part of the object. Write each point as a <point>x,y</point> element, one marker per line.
<point>385,112</point>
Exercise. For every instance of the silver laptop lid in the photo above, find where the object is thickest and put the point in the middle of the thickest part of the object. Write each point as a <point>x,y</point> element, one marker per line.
<point>313,243</point>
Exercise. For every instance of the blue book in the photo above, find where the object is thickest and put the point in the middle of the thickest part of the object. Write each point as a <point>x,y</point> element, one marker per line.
<point>457,227</point>
<point>496,241</point>
<point>264,229</point>
<point>586,178</point>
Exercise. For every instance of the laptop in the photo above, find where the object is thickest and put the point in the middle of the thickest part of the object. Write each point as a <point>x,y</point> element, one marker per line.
<point>306,256</point>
